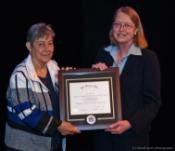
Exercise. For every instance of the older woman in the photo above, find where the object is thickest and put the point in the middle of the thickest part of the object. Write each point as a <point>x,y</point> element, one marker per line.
<point>32,98</point>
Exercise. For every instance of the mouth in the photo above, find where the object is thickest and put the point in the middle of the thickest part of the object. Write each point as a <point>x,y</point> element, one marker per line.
<point>121,34</point>
<point>46,54</point>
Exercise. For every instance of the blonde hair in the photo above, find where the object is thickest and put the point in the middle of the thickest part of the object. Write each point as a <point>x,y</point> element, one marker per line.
<point>139,38</point>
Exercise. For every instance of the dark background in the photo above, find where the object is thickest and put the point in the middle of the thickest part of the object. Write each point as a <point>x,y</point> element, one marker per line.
<point>81,28</point>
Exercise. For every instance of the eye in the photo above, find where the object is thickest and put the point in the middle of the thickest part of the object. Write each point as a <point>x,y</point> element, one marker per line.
<point>50,43</point>
<point>128,26</point>
<point>40,44</point>
<point>125,26</point>
<point>117,24</point>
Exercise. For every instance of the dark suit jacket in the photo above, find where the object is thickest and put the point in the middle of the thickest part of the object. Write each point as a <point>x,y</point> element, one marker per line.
<point>140,88</point>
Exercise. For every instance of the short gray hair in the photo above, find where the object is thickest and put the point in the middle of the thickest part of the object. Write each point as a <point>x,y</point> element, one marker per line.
<point>39,30</point>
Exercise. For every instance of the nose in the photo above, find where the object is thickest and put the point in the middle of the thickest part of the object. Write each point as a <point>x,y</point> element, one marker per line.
<point>48,48</point>
<point>122,27</point>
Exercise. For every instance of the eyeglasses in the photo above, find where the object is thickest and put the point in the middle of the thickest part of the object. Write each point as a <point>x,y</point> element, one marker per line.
<point>125,26</point>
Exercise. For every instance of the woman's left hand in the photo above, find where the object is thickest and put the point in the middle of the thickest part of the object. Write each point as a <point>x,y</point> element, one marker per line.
<point>100,65</point>
<point>119,127</point>
<point>68,68</point>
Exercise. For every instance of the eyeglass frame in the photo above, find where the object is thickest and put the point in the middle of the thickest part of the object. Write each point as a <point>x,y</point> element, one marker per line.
<point>125,26</point>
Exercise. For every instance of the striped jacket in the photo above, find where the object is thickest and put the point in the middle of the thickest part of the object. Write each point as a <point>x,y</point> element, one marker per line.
<point>30,123</point>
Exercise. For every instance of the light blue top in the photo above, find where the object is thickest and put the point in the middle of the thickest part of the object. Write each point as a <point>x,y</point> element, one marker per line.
<point>113,50</point>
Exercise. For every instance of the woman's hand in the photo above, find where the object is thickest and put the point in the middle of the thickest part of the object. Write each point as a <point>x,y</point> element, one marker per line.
<point>100,65</point>
<point>67,128</point>
<point>68,68</point>
<point>119,127</point>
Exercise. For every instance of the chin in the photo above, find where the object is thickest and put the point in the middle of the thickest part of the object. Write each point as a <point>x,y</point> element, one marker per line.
<point>46,60</point>
<point>121,41</point>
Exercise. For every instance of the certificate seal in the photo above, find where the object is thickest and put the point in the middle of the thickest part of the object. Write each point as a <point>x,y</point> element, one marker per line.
<point>91,119</point>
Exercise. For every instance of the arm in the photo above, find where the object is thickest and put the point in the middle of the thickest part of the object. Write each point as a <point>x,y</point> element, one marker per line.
<point>151,93</point>
<point>26,112</point>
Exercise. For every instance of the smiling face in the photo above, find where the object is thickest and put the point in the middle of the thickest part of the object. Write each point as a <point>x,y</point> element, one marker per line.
<point>41,50</point>
<point>123,29</point>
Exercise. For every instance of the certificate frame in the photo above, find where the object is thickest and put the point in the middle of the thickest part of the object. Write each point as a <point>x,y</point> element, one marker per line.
<point>81,92</point>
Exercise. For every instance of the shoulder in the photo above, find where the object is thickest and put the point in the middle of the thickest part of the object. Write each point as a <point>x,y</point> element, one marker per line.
<point>105,49</point>
<point>53,66</point>
<point>54,62</point>
<point>104,56</point>
<point>148,53</point>
<point>20,69</point>
<point>150,57</point>
<point>19,75</point>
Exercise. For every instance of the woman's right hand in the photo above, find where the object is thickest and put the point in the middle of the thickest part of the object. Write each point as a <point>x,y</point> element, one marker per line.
<point>66,128</point>
<point>68,68</point>
<point>100,65</point>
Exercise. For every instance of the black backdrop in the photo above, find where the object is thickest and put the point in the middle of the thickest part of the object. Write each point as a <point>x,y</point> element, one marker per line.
<point>81,28</point>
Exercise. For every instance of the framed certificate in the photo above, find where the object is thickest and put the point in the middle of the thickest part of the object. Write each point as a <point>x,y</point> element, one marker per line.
<point>90,98</point>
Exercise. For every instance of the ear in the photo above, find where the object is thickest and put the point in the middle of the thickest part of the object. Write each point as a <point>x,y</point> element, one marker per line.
<point>28,45</point>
